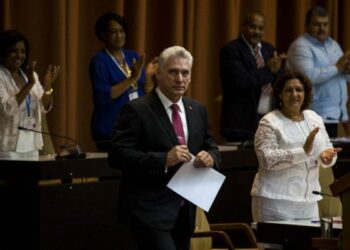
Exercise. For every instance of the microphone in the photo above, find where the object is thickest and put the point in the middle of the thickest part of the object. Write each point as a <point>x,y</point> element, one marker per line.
<point>77,153</point>
<point>320,193</point>
<point>245,137</point>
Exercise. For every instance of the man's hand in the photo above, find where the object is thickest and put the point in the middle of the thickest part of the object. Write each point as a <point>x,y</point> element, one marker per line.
<point>267,89</point>
<point>347,65</point>
<point>275,62</point>
<point>343,63</point>
<point>203,160</point>
<point>178,154</point>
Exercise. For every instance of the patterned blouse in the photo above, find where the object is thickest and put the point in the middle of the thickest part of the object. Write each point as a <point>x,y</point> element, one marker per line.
<point>285,171</point>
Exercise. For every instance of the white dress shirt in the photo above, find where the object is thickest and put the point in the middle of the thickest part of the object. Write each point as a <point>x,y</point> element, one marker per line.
<point>167,105</point>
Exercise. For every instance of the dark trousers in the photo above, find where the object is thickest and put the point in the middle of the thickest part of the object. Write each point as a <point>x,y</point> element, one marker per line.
<point>178,238</point>
<point>332,129</point>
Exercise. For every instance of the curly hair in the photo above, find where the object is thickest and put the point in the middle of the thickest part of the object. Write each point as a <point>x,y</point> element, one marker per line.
<point>8,39</point>
<point>102,24</point>
<point>281,82</point>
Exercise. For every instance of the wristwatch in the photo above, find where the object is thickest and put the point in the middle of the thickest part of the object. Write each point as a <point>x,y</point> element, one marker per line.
<point>49,91</point>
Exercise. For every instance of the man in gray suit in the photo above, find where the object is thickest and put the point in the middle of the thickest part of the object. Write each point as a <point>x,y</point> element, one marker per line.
<point>155,135</point>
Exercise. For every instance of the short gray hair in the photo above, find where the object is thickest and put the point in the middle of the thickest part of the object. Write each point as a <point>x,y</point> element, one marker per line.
<point>174,51</point>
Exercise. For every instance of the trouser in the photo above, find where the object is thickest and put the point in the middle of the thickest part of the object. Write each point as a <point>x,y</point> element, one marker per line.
<point>178,238</point>
<point>332,129</point>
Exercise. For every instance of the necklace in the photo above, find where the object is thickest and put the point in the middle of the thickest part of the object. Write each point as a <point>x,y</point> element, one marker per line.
<point>124,67</point>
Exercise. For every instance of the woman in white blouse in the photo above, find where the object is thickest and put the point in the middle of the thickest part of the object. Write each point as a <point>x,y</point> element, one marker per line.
<point>291,144</point>
<point>22,97</point>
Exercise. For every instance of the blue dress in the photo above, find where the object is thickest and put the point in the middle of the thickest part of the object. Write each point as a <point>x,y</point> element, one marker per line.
<point>104,73</point>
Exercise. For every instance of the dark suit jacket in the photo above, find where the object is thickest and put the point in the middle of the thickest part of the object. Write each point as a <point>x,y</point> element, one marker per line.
<point>241,87</point>
<point>143,138</point>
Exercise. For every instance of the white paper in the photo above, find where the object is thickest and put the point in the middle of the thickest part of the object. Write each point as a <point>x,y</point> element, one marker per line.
<point>25,141</point>
<point>265,104</point>
<point>197,185</point>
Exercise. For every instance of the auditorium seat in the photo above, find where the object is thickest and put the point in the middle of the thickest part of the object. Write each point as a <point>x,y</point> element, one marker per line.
<point>205,234</point>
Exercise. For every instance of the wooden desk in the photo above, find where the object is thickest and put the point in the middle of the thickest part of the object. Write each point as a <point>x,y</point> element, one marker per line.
<point>65,204</point>
<point>291,234</point>
<point>342,166</point>
<point>233,203</point>
<point>324,243</point>
<point>46,167</point>
<point>40,212</point>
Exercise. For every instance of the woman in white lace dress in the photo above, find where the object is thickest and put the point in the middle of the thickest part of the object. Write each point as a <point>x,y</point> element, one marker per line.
<point>22,97</point>
<point>291,144</point>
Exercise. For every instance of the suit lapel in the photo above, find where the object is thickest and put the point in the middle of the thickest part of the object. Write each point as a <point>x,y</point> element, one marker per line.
<point>191,122</point>
<point>247,52</point>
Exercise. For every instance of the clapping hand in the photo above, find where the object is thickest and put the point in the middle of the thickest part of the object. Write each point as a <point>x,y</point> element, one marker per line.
<point>328,155</point>
<point>51,75</point>
<point>151,70</point>
<point>310,141</point>
<point>267,89</point>
<point>347,65</point>
<point>275,62</point>
<point>30,72</point>
<point>343,63</point>
<point>152,67</point>
<point>136,69</point>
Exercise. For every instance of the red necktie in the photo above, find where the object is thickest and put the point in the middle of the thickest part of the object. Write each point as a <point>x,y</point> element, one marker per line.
<point>177,124</point>
<point>259,59</point>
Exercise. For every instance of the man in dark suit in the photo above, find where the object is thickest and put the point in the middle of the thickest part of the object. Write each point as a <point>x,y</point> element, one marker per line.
<point>248,67</point>
<point>149,148</point>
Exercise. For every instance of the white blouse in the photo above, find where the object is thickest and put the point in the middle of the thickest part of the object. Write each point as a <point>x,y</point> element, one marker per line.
<point>11,115</point>
<point>285,171</point>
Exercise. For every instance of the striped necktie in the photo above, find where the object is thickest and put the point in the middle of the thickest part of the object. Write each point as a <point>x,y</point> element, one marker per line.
<point>258,57</point>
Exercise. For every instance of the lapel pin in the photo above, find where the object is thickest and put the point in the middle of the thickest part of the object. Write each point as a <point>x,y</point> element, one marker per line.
<point>190,107</point>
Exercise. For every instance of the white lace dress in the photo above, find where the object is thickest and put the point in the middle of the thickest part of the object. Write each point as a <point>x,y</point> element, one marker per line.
<point>286,174</point>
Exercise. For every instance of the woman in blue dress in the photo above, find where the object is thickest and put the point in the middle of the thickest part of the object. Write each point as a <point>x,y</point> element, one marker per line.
<point>117,76</point>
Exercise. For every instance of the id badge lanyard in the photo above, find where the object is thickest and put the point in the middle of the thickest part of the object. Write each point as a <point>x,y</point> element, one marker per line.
<point>126,73</point>
<point>133,94</point>
<point>28,97</point>
<point>28,104</point>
